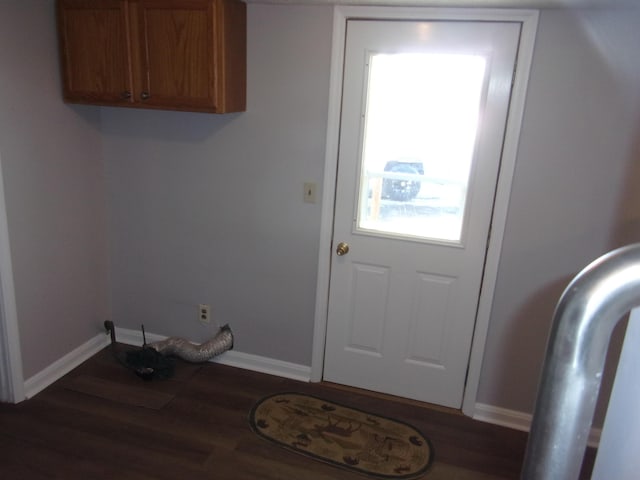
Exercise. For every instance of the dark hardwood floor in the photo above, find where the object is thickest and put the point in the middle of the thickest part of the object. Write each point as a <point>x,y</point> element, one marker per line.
<point>103,422</point>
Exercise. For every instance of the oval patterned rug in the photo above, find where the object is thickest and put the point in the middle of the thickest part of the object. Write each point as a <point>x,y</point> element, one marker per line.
<point>346,437</point>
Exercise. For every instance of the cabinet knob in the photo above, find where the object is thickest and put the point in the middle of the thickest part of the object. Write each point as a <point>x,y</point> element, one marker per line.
<point>125,95</point>
<point>145,95</point>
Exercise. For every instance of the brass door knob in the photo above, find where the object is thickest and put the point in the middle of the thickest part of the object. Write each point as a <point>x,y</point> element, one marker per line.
<point>145,95</point>
<point>342,249</point>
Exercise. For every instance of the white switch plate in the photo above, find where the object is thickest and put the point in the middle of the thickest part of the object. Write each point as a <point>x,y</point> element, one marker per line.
<point>309,192</point>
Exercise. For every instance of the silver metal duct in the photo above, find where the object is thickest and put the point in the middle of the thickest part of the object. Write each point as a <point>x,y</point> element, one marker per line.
<point>589,309</point>
<point>191,352</point>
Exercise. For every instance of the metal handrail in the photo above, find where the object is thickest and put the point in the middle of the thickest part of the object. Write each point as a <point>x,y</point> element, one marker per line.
<point>589,309</point>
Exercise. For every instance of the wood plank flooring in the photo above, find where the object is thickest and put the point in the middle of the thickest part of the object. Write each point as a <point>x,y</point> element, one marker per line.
<point>102,422</point>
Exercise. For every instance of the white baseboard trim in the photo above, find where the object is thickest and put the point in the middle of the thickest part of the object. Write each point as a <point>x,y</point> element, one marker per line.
<point>266,365</point>
<point>503,417</point>
<point>61,367</point>
<point>232,358</point>
<point>518,420</point>
<point>483,412</point>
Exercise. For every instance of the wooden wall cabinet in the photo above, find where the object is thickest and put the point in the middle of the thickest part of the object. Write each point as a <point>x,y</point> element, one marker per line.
<point>164,54</point>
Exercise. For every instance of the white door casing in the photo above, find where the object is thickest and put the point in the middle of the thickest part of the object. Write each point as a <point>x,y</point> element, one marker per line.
<point>11,377</point>
<point>524,20</point>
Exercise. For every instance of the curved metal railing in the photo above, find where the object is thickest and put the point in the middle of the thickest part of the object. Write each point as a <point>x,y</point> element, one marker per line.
<point>589,309</point>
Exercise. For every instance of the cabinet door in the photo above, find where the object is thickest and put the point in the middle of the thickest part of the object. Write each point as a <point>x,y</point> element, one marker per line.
<point>94,41</point>
<point>177,49</point>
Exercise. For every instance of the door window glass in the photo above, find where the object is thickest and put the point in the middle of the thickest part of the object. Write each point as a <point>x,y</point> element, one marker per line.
<point>421,119</point>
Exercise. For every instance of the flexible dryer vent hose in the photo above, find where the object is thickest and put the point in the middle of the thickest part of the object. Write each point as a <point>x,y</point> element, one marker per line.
<point>191,352</point>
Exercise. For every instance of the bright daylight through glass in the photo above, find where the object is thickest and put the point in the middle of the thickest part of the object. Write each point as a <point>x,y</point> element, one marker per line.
<point>420,128</point>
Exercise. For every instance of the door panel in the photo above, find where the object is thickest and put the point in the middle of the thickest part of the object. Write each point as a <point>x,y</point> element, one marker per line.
<point>417,170</point>
<point>369,290</point>
<point>425,339</point>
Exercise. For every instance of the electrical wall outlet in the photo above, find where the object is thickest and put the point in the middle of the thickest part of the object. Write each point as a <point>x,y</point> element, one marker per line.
<point>204,313</point>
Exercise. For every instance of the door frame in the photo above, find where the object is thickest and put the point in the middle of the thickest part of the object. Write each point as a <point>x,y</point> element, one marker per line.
<point>529,22</point>
<point>11,376</point>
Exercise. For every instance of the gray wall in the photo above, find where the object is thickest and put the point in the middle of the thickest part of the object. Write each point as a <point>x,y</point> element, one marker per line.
<point>574,186</point>
<point>55,194</point>
<point>208,209</point>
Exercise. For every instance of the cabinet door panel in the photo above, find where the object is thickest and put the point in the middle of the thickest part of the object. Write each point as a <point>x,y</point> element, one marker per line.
<point>177,51</point>
<point>95,51</point>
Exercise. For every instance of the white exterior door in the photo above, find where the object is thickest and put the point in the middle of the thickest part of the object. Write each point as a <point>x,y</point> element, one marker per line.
<point>424,109</point>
